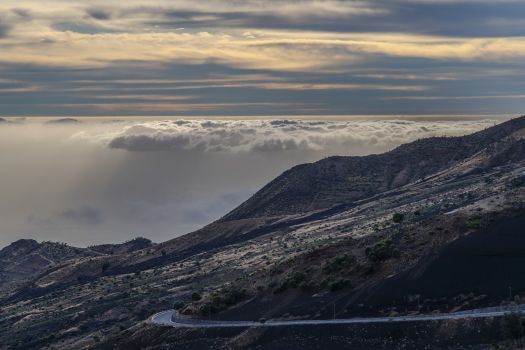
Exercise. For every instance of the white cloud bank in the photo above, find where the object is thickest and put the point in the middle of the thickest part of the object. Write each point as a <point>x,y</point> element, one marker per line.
<point>93,182</point>
<point>268,136</point>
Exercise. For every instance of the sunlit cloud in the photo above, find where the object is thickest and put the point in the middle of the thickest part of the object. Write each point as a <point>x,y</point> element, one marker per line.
<point>225,53</point>
<point>267,50</point>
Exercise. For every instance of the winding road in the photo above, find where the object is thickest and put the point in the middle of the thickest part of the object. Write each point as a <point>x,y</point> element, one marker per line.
<point>174,319</point>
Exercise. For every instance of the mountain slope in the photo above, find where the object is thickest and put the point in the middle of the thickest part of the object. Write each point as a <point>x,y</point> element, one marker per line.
<point>26,259</point>
<point>336,180</point>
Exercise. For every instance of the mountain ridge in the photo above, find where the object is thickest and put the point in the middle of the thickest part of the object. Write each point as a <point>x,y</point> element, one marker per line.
<point>291,192</point>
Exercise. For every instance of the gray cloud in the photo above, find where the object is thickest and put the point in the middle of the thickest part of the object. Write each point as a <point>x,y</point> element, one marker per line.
<point>22,13</point>
<point>84,215</point>
<point>99,14</point>
<point>4,29</point>
<point>450,18</point>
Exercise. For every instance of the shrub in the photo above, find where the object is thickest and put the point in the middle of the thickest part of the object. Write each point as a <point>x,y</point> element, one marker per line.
<point>223,299</point>
<point>474,225</point>
<point>281,288</point>
<point>518,182</point>
<point>196,296</point>
<point>339,284</point>
<point>398,217</point>
<point>338,263</point>
<point>178,305</point>
<point>296,279</point>
<point>381,251</point>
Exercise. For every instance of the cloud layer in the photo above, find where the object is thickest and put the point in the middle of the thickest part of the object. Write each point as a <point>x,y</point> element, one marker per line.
<point>104,180</point>
<point>268,136</point>
<point>255,57</point>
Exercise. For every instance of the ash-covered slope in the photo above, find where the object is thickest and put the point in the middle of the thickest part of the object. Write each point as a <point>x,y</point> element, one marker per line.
<point>337,180</point>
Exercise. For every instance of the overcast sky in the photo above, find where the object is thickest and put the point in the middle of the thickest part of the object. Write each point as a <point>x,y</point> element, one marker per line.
<point>261,57</point>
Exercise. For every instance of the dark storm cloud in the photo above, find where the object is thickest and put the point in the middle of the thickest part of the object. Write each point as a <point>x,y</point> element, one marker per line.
<point>102,15</point>
<point>85,215</point>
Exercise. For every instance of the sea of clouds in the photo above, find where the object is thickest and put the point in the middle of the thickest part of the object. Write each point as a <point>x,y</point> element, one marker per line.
<point>98,181</point>
<point>276,136</point>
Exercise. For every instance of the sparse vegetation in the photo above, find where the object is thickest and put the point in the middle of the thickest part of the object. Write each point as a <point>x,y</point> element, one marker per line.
<point>178,305</point>
<point>339,284</point>
<point>398,217</point>
<point>223,299</point>
<point>338,263</point>
<point>381,251</point>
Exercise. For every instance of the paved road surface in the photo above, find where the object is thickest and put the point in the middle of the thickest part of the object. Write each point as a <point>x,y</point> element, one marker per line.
<point>173,319</point>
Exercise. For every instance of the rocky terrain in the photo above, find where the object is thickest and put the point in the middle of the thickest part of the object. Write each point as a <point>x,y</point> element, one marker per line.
<point>432,226</point>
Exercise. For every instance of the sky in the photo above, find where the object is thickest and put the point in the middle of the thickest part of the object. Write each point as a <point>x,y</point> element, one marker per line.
<point>261,57</point>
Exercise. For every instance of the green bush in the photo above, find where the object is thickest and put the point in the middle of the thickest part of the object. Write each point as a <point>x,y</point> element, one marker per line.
<point>518,182</point>
<point>223,299</point>
<point>339,284</point>
<point>196,296</point>
<point>398,217</point>
<point>338,263</point>
<point>178,305</point>
<point>381,251</point>
<point>281,288</point>
<point>296,279</point>
<point>474,225</point>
